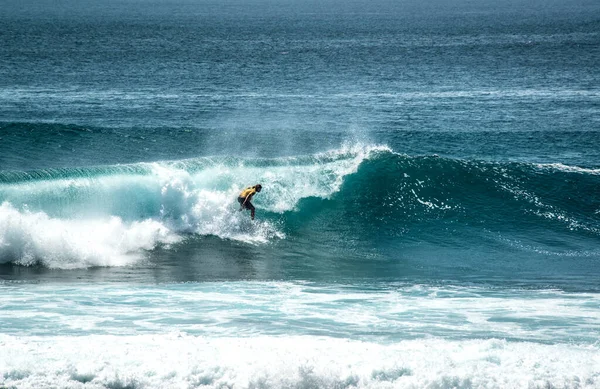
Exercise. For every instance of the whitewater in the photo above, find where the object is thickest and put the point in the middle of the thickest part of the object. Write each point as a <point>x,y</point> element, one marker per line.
<point>306,334</point>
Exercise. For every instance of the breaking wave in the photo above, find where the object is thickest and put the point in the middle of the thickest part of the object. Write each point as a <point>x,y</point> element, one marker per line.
<point>111,215</point>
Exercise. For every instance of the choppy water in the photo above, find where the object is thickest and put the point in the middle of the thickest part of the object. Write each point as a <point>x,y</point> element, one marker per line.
<point>430,214</point>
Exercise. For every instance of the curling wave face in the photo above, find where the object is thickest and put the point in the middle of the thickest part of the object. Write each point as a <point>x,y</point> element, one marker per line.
<point>358,194</point>
<point>107,216</point>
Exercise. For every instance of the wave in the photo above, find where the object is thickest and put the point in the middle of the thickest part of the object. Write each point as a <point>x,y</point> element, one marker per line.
<point>105,216</point>
<point>110,215</point>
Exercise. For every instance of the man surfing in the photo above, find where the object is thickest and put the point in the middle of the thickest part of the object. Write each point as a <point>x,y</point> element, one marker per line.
<point>245,197</point>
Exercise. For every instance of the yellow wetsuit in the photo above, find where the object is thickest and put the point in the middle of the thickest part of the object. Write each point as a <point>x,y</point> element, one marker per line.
<point>250,191</point>
<point>245,197</point>
<point>247,193</point>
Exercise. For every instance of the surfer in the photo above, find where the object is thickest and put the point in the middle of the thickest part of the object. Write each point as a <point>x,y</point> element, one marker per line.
<point>245,197</point>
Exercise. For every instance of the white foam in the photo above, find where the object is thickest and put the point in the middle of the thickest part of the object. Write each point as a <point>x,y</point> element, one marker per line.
<point>262,335</point>
<point>30,237</point>
<point>181,361</point>
<point>236,309</point>
<point>568,168</point>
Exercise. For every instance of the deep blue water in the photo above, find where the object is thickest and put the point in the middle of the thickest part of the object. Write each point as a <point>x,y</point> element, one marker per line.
<point>431,177</point>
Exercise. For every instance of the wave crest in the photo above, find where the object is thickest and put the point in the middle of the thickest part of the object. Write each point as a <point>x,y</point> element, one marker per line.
<point>108,216</point>
<point>373,193</point>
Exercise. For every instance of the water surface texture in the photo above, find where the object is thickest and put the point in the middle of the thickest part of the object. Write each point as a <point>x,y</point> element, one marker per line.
<point>430,213</point>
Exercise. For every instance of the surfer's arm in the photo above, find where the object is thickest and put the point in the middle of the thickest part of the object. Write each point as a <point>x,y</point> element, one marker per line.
<point>246,199</point>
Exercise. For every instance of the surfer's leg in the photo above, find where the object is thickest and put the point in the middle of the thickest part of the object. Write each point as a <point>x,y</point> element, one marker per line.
<point>251,208</point>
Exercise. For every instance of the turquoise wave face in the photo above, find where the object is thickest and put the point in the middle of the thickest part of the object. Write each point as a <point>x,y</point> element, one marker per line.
<point>423,214</point>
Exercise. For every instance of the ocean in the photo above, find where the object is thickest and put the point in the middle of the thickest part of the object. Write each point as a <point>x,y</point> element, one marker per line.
<point>430,212</point>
